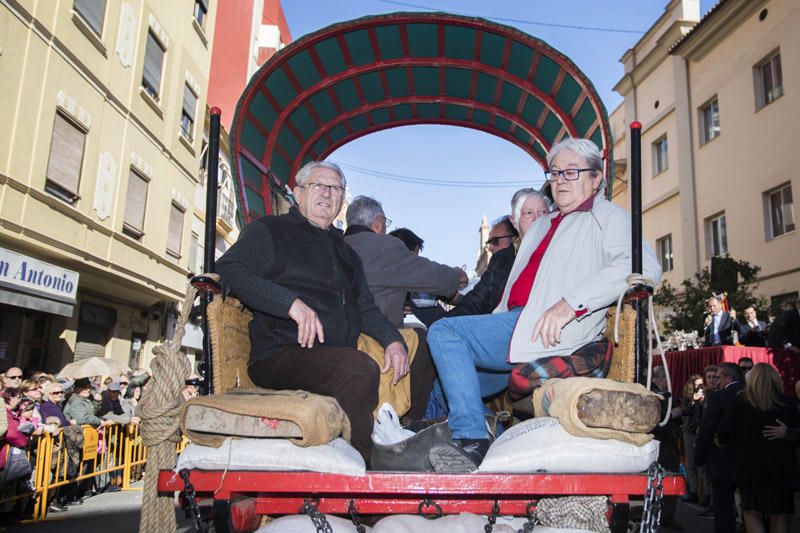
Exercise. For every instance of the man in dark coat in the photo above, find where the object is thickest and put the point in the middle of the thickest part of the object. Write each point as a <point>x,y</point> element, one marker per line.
<point>752,331</point>
<point>310,302</point>
<point>719,462</point>
<point>784,332</point>
<point>718,328</point>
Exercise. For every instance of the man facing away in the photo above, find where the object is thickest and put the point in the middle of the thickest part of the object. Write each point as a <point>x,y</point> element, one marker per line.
<point>310,302</point>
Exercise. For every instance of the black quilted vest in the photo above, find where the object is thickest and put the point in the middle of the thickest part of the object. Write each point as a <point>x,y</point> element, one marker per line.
<point>322,270</point>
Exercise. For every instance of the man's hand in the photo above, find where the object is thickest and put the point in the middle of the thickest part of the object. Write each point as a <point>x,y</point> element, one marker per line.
<point>463,280</point>
<point>308,325</point>
<point>552,322</point>
<point>732,314</point>
<point>707,321</point>
<point>775,432</point>
<point>135,420</point>
<point>396,357</point>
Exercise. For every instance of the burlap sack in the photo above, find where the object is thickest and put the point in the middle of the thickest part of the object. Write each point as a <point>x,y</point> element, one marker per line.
<point>568,399</point>
<point>399,395</point>
<point>304,418</point>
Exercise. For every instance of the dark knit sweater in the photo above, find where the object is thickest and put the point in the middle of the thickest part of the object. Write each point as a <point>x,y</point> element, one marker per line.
<point>252,270</point>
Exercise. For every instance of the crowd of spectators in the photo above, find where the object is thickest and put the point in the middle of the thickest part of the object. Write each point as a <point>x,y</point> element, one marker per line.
<point>37,403</point>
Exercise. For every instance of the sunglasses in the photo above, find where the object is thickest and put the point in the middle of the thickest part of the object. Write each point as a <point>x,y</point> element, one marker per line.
<point>57,392</point>
<point>14,377</point>
<point>494,241</point>
<point>745,368</point>
<point>123,383</point>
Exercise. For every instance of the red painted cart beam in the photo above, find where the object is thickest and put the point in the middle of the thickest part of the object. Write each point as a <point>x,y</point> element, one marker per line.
<point>407,484</point>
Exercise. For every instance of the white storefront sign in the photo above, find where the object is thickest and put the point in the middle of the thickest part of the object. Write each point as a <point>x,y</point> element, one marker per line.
<point>37,277</point>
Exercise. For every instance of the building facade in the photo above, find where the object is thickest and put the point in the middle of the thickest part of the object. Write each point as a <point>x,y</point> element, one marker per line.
<point>102,106</point>
<point>718,99</point>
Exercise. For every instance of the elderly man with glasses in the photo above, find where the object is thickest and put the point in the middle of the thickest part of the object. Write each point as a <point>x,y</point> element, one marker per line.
<point>310,302</point>
<point>571,265</point>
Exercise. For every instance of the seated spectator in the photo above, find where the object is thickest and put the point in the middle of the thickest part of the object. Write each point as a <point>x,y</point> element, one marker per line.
<point>765,469</point>
<point>310,302</point>
<point>718,328</point>
<point>390,268</point>
<point>554,304</point>
<point>752,331</point>
<point>526,206</point>
<point>413,242</point>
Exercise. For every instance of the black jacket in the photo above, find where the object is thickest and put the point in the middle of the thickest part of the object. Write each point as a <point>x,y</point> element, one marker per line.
<point>720,461</point>
<point>278,259</point>
<point>785,329</point>
<point>484,297</point>
<point>751,336</point>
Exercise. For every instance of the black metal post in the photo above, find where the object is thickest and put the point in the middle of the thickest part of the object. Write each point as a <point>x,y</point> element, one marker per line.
<point>212,167</point>
<point>639,300</point>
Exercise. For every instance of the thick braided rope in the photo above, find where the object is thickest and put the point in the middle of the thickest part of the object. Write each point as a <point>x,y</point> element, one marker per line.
<point>159,410</point>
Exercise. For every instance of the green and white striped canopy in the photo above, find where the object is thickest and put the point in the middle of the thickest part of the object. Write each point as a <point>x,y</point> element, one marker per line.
<point>370,74</point>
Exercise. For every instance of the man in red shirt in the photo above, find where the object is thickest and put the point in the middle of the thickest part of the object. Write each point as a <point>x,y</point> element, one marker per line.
<point>570,266</point>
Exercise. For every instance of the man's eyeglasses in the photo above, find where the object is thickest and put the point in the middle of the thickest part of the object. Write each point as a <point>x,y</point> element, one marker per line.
<point>320,187</point>
<point>494,241</point>
<point>387,221</point>
<point>570,174</point>
<point>745,368</point>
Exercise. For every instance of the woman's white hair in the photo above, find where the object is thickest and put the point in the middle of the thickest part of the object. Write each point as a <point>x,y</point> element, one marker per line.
<point>304,174</point>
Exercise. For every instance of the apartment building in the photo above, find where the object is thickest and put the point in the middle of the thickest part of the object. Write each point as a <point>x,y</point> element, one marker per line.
<point>719,100</point>
<point>103,106</point>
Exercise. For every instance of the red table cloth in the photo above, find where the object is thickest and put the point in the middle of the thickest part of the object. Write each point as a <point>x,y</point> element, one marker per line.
<point>687,362</point>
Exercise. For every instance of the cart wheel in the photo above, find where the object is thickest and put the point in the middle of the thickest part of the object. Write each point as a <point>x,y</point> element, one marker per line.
<point>237,515</point>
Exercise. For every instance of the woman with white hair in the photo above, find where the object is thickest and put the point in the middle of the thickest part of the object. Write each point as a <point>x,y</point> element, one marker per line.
<point>571,265</point>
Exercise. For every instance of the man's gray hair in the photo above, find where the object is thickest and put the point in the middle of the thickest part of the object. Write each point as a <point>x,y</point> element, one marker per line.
<point>363,210</point>
<point>582,147</point>
<point>304,174</point>
<point>521,196</point>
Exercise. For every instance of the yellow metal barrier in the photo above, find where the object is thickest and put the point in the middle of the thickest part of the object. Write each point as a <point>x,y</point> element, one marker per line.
<point>114,452</point>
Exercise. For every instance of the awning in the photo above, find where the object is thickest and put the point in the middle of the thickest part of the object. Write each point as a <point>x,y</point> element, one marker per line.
<point>370,74</point>
<point>37,303</point>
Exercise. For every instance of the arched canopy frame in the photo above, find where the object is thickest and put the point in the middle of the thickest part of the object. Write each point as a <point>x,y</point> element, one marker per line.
<point>380,72</point>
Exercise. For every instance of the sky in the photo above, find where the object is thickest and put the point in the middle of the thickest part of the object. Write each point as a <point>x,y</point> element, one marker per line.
<point>446,217</point>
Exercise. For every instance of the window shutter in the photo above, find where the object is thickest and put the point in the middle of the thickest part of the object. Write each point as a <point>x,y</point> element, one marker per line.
<point>135,201</point>
<point>175,231</point>
<point>66,155</point>
<point>91,341</point>
<point>153,59</point>
<point>189,102</point>
<point>93,12</point>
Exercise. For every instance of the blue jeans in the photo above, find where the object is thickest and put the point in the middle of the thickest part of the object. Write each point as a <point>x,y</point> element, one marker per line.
<point>470,357</point>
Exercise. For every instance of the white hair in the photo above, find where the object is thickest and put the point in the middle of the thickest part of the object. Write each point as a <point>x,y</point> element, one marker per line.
<point>520,197</point>
<point>304,174</point>
<point>363,210</point>
<point>582,147</point>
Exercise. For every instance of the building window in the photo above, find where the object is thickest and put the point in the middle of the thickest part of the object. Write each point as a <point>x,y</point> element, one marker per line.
<point>660,156</point>
<point>780,211</point>
<point>709,119</point>
<point>135,205</point>
<point>93,12</point>
<point>664,245</point>
<point>769,80</point>
<point>66,159</point>
<point>175,230</point>
<point>717,235</point>
<point>194,253</point>
<point>153,64</point>
<point>188,113</point>
<point>201,12</point>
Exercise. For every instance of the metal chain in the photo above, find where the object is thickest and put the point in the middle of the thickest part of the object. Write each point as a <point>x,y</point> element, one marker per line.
<point>351,508</point>
<point>533,520</point>
<point>653,494</point>
<point>424,504</point>
<point>492,518</point>
<point>320,522</point>
<point>190,500</point>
